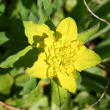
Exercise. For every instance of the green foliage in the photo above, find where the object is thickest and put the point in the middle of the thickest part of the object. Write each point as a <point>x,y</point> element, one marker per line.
<point>20,80</point>
<point>59,95</point>
<point>2,8</point>
<point>29,85</point>
<point>12,59</point>
<point>93,82</point>
<point>104,45</point>
<point>70,4</point>
<point>3,38</point>
<point>30,100</point>
<point>87,34</point>
<point>78,79</point>
<point>6,82</point>
<point>47,6</point>
<point>17,88</point>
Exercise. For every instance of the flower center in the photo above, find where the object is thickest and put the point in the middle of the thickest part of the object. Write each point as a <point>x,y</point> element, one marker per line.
<point>61,58</point>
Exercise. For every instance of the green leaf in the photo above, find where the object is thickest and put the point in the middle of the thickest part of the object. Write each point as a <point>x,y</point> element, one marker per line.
<point>17,71</point>
<point>103,48</point>
<point>59,94</point>
<point>104,8</point>
<point>20,6</point>
<point>47,6</point>
<point>2,8</point>
<point>3,38</point>
<point>84,36</point>
<point>23,5</point>
<point>15,34</point>
<point>70,4</point>
<point>79,12</point>
<point>41,12</point>
<point>95,70</point>
<point>29,99</point>
<point>103,4</point>
<point>93,82</point>
<point>55,107</point>
<point>29,86</point>
<point>57,4</point>
<point>84,98</point>
<point>42,103</point>
<point>6,82</point>
<point>12,59</point>
<point>55,93</point>
<point>78,79</point>
<point>33,16</point>
<point>102,31</point>
<point>28,59</point>
<point>10,101</point>
<point>20,80</point>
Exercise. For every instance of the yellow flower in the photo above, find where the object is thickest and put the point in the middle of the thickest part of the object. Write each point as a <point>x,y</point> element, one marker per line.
<point>62,54</point>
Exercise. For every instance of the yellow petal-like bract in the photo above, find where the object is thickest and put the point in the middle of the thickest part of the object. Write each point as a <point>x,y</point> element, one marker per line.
<point>67,29</point>
<point>62,54</point>
<point>36,32</point>
<point>39,68</point>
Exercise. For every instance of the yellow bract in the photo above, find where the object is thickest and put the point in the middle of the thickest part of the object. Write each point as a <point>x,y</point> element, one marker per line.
<point>39,69</point>
<point>36,33</point>
<point>67,29</point>
<point>63,53</point>
<point>85,59</point>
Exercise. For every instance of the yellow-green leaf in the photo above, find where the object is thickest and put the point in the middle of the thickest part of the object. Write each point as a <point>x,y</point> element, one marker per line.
<point>6,82</point>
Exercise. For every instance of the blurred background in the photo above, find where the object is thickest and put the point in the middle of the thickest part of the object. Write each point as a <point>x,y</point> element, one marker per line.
<point>17,89</point>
